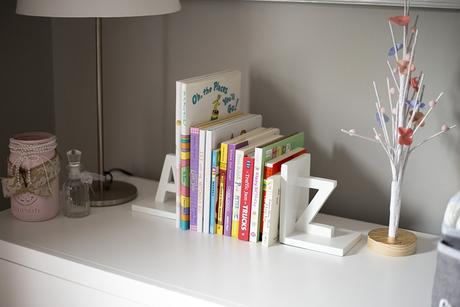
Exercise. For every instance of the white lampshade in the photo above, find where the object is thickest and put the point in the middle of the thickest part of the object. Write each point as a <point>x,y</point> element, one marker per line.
<point>96,8</point>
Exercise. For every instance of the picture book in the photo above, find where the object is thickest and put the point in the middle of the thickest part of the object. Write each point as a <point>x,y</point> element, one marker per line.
<point>196,157</point>
<point>214,189</point>
<point>225,203</point>
<point>214,135</point>
<point>271,210</point>
<point>178,146</point>
<point>246,197</point>
<point>194,134</point>
<point>201,99</point>
<point>259,139</point>
<point>197,144</point>
<point>261,156</point>
<point>273,167</point>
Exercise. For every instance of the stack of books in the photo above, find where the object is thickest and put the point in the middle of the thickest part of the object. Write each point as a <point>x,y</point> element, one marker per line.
<point>229,164</point>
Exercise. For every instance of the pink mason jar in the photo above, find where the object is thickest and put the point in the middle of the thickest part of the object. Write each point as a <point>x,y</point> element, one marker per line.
<point>33,176</point>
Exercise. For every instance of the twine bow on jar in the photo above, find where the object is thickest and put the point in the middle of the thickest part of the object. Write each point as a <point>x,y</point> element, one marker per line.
<point>22,178</point>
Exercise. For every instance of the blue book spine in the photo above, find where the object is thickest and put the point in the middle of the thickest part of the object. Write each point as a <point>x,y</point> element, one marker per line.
<point>214,190</point>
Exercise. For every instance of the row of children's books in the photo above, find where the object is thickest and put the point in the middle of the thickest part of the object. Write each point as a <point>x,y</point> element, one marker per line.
<point>228,163</point>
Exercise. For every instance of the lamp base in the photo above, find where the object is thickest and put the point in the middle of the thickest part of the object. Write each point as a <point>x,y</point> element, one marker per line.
<point>119,193</point>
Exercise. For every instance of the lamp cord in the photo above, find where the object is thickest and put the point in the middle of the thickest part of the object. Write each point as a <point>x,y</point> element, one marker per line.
<point>109,176</point>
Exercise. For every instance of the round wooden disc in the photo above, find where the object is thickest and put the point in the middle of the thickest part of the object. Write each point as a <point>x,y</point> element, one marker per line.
<point>403,245</point>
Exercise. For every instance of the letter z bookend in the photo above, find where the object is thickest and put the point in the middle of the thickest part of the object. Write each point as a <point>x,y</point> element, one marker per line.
<point>296,221</point>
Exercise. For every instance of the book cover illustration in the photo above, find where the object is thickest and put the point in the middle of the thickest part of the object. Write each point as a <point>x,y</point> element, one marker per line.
<point>205,98</point>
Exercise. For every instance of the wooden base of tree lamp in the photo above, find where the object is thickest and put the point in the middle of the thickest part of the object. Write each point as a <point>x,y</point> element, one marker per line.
<point>404,244</point>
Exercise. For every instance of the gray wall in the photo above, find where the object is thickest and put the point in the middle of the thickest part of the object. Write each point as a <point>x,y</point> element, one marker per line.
<point>26,78</point>
<point>306,67</point>
<point>133,96</point>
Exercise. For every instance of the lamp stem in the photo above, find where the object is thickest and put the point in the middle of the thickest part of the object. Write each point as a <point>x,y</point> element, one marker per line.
<point>117,192</point>
<point>100,111</point>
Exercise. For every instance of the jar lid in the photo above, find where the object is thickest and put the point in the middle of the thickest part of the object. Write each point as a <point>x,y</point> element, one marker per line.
<point>33,138</point>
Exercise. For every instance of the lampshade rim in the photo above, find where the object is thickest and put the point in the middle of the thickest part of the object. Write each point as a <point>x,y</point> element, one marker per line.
<point>23,7</point>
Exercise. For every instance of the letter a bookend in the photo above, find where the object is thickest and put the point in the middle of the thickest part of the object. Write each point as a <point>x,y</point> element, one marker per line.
<point>153,198</point>
<point>167,179</point>
<point>296,220</point>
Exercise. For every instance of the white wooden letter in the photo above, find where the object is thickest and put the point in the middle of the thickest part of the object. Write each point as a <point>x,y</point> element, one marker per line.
<point>167,179</point>
<point>297,213</point>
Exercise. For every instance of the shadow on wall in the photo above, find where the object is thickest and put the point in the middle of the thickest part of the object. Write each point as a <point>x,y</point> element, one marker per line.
<point>357,195</point>
<point>456,111</point>
<point>26,78</point>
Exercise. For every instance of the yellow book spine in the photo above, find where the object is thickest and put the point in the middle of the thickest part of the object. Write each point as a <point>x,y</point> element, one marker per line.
<point>222,180</point>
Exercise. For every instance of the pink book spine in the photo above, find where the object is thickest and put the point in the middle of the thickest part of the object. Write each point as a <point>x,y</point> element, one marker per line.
<point>246,198</point>
<point>194,162</point>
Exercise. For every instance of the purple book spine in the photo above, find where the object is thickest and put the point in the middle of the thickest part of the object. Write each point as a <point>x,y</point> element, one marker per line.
<point>194,165</point>
<point>229,187</point>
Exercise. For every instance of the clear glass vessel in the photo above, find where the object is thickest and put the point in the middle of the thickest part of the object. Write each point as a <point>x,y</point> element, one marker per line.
<point>75,192</point>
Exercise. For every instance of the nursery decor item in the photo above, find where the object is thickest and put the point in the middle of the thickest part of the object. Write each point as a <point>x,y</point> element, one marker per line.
<point>33,176</point>
<point>296,221</point>
<point>398,124</point>
<point>76,188</point>
<point>162,205</point>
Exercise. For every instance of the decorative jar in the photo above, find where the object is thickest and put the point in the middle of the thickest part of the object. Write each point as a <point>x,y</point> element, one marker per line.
<point>33,176</point>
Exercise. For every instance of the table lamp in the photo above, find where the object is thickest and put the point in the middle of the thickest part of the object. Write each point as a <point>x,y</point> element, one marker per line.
<point>117,192</point>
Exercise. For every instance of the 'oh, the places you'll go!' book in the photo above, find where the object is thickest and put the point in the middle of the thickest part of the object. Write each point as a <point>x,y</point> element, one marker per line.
<point>198,100</point>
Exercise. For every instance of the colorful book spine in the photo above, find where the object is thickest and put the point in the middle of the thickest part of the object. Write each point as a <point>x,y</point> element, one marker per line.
<point>271,211</point>
<point>262,155</point>
<point>203,98</point>
<point>228,217</point>
<point>272,169</point>
<point>201,156</point>
<point>214,190</point>
<point>222,187</point>
<point>237,188</point>
<point>184,182</point>
<point>246,198</point>
<point>194,166</point>
<point>184,164</point>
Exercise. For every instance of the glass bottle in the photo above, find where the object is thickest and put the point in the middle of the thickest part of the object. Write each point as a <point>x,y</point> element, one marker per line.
<point>75,192</point>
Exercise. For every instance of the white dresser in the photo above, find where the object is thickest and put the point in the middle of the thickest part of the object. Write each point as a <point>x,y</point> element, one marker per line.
<point>116,257</point>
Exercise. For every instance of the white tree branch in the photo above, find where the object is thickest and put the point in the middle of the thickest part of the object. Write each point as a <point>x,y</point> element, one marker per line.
<point>428,113</point>
<point>431,137</point>
<point>358,136</point>
<point>383,124</point>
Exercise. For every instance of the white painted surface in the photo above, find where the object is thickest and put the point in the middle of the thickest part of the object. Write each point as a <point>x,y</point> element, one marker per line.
<point>145,201</point>
<point>145,259</point>
<point>297,211</point>
<point>22,287</point>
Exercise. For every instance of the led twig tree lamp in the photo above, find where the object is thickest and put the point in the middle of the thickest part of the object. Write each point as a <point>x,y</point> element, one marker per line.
<point>117,192</point>
<point>397,127</point>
